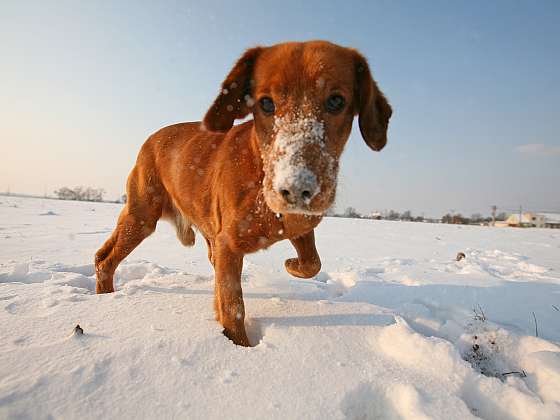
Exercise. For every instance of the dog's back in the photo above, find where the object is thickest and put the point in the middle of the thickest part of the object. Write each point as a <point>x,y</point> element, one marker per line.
<point>185,170</point>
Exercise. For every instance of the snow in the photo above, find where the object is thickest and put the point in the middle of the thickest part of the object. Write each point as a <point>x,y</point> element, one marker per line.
<point>392,327</point>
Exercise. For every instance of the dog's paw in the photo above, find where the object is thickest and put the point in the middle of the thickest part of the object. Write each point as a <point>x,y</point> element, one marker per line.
<point>303,271</point>
<point>100,290</point>
<point>103,288</point>
<point>103,282</point>
<point>238,337</point>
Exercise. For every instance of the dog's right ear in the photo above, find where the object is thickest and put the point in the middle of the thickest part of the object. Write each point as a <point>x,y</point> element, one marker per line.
<point>234,100</point>
<point>371,105</point>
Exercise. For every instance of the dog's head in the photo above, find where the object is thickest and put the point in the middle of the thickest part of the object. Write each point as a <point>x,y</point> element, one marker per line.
<point>303,97</point>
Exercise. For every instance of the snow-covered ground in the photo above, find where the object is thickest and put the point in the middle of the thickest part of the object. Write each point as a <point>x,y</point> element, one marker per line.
<point>386,330</point>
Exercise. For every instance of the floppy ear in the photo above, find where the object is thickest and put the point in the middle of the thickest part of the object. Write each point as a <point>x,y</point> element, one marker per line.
<point>234,100</point>
<point>371,105</point>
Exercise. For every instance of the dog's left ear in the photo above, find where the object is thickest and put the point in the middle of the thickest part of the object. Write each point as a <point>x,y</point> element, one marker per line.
<point>234,100</point>
<point>371,105</point>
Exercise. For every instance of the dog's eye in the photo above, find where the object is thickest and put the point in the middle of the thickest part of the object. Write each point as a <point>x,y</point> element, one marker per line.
<point>334,104</point>
<point>267,105</point>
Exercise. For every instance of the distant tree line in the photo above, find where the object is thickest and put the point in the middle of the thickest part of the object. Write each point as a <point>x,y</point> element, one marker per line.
<point>475,219</point>
<point>351,212</point>
<point>80,193</point>
<point>407,216</point>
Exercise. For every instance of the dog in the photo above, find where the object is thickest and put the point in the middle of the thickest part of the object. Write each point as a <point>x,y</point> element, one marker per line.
<point>247,186</point>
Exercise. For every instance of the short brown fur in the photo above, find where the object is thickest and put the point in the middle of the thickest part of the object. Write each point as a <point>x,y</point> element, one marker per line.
<point>213,175</point>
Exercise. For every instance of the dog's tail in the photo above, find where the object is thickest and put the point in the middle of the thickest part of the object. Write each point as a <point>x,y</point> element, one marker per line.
<point>185,232</point>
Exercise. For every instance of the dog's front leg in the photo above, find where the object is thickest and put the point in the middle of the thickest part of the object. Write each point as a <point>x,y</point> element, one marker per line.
<point>230,310</point>
<point>308,263</point>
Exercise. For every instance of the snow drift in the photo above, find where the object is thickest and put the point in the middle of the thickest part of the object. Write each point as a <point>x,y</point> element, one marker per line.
<point>393,326</point>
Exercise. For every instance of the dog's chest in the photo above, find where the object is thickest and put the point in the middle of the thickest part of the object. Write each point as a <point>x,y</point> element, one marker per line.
<point>260,228</point>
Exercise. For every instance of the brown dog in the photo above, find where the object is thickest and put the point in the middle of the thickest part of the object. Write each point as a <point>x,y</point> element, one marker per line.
<point>248,186</point>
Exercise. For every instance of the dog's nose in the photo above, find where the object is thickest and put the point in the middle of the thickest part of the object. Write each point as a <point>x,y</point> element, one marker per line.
<point>287,195</point>
<point>295,185</point>
<point>294,194</point>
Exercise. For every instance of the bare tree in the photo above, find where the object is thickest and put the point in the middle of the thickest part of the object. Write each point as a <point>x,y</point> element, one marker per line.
<point>393,215</point>
<point>477,218</point>
<point>80,193</point>
<point>351,212</point>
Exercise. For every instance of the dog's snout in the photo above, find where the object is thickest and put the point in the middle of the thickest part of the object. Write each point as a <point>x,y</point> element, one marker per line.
<point>300,191</point>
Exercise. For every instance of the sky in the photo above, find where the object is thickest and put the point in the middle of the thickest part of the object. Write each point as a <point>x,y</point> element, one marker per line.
<point>475,89</point>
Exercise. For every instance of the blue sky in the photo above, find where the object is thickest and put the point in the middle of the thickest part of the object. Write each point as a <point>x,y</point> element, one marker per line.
<point>475,88</point>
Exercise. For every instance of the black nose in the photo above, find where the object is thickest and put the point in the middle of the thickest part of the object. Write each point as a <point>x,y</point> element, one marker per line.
<point>292,195</point>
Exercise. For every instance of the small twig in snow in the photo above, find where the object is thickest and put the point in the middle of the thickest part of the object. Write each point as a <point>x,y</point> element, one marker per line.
<point>479,316</point>
<point>536,325</point>
<point>522,373</point>
<point>556,307</point>
<point>482,312</point>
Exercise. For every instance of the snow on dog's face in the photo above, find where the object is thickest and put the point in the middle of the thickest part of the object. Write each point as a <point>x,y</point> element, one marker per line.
<point>299,170</point>
<point>303,97</point>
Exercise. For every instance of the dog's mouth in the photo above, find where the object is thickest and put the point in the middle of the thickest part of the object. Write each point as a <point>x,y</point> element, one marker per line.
<point>300,174</point>
<point>277,206</point>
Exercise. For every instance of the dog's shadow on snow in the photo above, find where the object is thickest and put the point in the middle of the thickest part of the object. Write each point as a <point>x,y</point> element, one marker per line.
<point>509,303</point>
<point>330,320</point>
